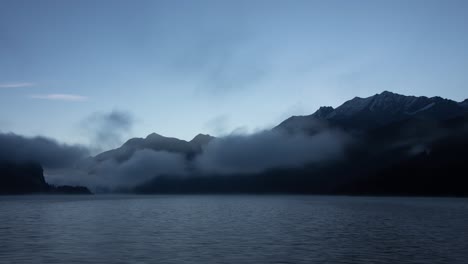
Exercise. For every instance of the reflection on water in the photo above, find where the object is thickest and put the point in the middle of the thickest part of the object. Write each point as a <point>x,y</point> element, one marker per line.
<point>232,229</point>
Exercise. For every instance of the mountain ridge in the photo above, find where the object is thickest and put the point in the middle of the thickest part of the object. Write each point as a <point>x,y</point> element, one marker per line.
<point>374,111</point>
<point>357,114</point>
<point>398,141</point>
<point>156,142</point>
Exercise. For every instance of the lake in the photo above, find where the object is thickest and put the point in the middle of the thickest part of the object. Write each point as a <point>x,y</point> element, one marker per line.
<point>232,229</point>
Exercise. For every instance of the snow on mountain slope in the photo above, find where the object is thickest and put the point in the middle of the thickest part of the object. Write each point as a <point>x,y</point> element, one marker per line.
<point>375,111</point>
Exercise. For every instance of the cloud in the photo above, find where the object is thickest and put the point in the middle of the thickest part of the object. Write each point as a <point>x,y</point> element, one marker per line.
<point>218,125</point>
<point>61,97</point>
<point>16,85</point>
<point>48,152</point>
<point>239,154</point>
<point>107,130</point>
<point>110,174</point>
<point>233,155</point>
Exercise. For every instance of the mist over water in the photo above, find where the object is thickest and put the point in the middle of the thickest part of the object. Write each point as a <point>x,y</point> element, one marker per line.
<point>232,229</point>
<point>228,155</point>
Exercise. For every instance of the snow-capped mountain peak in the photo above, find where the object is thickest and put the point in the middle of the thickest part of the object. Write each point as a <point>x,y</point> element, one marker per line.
<point>379,109</point>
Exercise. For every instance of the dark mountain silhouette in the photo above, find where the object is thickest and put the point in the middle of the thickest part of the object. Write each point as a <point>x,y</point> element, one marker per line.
<point>427,163</point>
<point>404,145</point>
<point>21,178</point>
<point>464,103</point>
<point>400,145</point>
<point>28,178</point>
<point>156,142</point>
<point>379,110</point>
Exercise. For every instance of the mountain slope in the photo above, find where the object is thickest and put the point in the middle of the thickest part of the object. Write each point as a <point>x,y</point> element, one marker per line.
<point>464,103</point>
<point>28,177</point>
<point>19,178</point>
<point>376,111</point>
<point>428,158</point>
<point>156,142</point>
<point>405,145</point>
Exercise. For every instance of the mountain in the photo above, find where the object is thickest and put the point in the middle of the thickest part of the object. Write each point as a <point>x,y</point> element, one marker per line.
<point>402,145</point>
<point>464,103</point>
<point>376,111</point>
<point>395,145</point>
<point>18,178</point>
<point>28,177</point>
<point>199,141</point>
<point>413,157</point>
<point>156,142</point>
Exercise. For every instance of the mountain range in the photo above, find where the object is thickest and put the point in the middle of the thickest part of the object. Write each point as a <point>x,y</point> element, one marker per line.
<point>382,109</point>
<point>395,145</point>
<point>156,142</point>
<point>358,115</point>
<point>402,145</point>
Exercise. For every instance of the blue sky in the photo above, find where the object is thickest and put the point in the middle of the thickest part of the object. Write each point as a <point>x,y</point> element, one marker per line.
<point>187,67</point>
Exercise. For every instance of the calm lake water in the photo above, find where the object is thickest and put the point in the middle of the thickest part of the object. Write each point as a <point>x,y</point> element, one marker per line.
<point>232,229</point>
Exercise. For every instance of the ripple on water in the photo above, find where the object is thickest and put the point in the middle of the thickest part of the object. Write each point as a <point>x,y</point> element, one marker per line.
<point>232,229</point>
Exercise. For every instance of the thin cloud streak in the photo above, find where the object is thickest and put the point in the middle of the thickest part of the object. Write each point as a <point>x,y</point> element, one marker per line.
<point>60,97</point>
<point>16,85</point>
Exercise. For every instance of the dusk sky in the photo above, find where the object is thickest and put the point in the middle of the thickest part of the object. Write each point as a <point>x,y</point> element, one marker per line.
<point>180,68</point>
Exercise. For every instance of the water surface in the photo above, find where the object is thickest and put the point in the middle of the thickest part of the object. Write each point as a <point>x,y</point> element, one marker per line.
<point>232,229</point>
